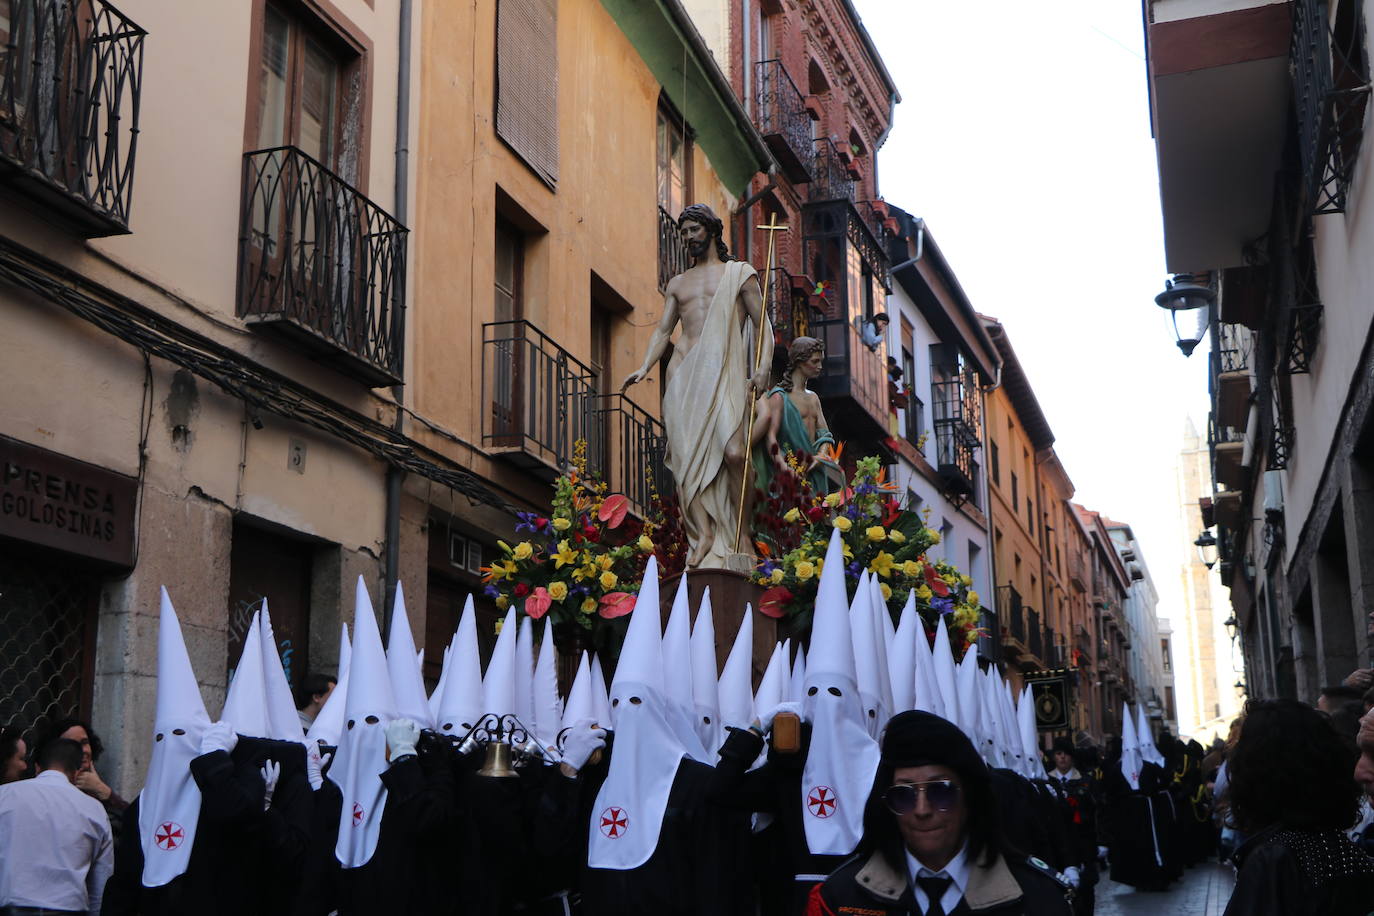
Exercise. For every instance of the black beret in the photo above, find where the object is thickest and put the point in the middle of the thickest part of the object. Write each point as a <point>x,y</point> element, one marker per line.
<point>918,738</point>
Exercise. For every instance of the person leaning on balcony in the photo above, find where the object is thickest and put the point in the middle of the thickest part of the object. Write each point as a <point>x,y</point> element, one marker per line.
<point>874,330</point>
<point>931,843</point>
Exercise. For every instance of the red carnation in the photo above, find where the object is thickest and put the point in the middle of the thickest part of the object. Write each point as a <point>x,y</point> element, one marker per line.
<point>521,589</point>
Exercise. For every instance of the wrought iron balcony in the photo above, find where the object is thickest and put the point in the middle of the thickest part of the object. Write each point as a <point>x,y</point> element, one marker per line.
<point>1012,618</point>
<point>958,432</point>
<point>782,119</point>
<point>537,398</point>
<point>830,178</point>
<point>672,250</point>
<point>1232,357</point>
<point>71,72</point>
<point>791,306</point>
<point>321,264</point>
<point>1228,452</point>
<point>1331,88</point>
<point>626,446</point>
<point>1035,636</point>
<point>853,381</point>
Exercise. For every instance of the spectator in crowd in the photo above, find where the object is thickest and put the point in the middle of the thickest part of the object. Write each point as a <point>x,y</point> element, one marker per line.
<point>13,754</point>
<point>87,779</point>
<point>55,847</point>
<point>311,696</point>
<point>874,330</point>
<point>1292,794</point>
<point>1368,699</point>
<point>1363,832</point>
<point>1337,695</point>
<point>931,842</point>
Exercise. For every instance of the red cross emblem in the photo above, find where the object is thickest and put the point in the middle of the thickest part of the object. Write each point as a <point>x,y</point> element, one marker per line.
<point>821,801</point>
<point>168,836</point>
<point>614,822</point>
<point>357,814</point>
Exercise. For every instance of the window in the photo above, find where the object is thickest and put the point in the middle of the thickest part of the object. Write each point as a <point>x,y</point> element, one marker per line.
<point>1015,494</point>
<point>509,355</point>
<point>527,82</point>
<point>510,258</point>
<point>674,161</point>
<point>1164,651</point>
<point>299,91</point>
<point>263,565</point>
<point>1030,514</point>
<point>995,463</point>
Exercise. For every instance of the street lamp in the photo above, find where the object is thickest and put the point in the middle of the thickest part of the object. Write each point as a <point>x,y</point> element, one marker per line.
<point>1182,294</point>
<point>1232,626</point>
<point>1206,544</point>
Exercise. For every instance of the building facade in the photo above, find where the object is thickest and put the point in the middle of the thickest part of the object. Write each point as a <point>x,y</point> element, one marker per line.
<point>1148,636</point>
<point>1264,216</point>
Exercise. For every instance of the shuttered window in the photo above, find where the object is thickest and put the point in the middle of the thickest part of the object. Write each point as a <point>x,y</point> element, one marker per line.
<point>527,82</point>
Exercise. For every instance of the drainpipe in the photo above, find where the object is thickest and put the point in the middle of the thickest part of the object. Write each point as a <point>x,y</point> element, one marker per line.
<point>394,477</point>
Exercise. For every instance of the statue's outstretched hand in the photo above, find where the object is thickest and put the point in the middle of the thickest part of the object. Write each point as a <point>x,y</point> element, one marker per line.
<point>760,381</point>
<point>630,379</point>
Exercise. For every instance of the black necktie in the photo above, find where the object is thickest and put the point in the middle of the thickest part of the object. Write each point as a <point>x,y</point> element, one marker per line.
<point>935,889</point>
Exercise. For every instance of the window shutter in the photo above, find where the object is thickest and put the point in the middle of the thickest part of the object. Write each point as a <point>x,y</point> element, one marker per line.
<point>527,82</point>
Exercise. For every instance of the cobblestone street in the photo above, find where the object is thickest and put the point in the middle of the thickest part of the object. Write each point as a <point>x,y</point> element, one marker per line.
<point>1203,891</point>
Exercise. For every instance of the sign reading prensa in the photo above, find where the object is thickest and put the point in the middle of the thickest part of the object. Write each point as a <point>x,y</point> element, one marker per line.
<point>69,505</point>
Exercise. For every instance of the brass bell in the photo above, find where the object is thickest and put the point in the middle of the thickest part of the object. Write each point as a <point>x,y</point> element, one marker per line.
<point>497,764</point>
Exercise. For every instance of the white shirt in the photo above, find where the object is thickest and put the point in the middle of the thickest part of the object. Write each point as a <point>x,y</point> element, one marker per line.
<point>1066,777</point>
<point>55,847</point>
<point>956,870</point>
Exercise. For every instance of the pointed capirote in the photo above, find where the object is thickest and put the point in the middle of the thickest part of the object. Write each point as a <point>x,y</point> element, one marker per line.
<point>798,679</point>
<point>882,644</point>
<point>927,698</point>
<point>171,798</point>
<point>283,722</point>
<point>1145,737</point>
<point>1030,744</point>
<point>245,703</point>
<point>1011,732</point>
<point>460,705</point>
<point>864,640</point>
<point>407,683</point>
<point>901,658</point>
<point>600,692</point>
<point>581,705</point>
<point>832,649</point>
<point>498,684</point>
<point>677,652</point>
<point>736,678</point>
<point>992,713</point>
<point>437,693</point>
<point>330,721</point>
<point>641,656</point>
<point>705,691</point>
<point>524,672</point>
<point>369,683</point>
<point>773,686</point>
<point>969,705</point>
<point>1131,758</point>
<point>548,709</point>
<point>943,661</point>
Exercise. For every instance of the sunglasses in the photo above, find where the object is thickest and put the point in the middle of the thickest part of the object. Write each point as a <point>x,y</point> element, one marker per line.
<point>942,794</point>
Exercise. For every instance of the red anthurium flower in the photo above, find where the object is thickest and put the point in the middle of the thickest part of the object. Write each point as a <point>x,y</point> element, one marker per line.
<point>892,510</point>
<point>537,604</point>
<point>616,604</point>
<point>521,589</point>
<point>771,604</point>
<point>613,509</point>
<point>937,585</point>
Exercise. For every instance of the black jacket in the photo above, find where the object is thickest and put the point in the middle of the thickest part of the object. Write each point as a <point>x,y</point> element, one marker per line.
<point>1009,887</point>
<point>1302,873</point>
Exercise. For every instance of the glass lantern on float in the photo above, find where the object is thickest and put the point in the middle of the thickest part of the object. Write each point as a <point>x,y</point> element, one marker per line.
<point>1183,294</point>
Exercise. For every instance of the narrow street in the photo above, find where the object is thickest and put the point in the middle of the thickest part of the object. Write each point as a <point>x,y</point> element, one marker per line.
<point>1203,891</point>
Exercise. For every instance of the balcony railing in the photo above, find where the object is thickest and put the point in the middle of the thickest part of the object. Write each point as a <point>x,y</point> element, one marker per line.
<point>1235,347</point>
<point>958,432</point>
<point>830,179</point>
<point>321,263</point>
<point>1010,613</point>
<point>854,376</point>
<point>71,72</point>
<point>790,307</point>
<point>783,120</point>
<point>1035,636</point>
<point>626,446</point>
<point>537,398</point>
<point>1330,90</point>
<point>672,250</point>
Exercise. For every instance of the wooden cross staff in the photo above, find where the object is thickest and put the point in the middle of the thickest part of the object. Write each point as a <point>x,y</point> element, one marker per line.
<point>772,229</point>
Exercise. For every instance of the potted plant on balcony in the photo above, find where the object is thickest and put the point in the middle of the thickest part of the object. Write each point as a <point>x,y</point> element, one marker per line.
<point>880,536</point>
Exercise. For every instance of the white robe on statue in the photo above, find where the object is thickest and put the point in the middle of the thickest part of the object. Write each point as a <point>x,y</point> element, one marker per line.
<point>704,405</point>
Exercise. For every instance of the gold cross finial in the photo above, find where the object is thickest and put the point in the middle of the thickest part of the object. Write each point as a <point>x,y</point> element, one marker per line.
<point>772,224</point>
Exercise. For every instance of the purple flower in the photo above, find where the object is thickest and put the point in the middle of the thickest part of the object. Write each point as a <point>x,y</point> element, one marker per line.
<point>852,510</point>
<point>526,522</point>
<point>491,591</point>
<point>943,605</point>
<point>853,570</point>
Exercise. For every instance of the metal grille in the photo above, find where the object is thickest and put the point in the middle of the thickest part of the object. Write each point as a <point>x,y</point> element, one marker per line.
<point>45,616</point>
<point>672,250</point>
<point>1331,89</point>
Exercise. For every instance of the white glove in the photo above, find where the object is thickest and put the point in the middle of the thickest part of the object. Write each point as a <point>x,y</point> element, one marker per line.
<point>583,740</point>
<point>1071,875</point>
<point>1102,853</point>
<point>765,719</point>
<point>401,735</point>
<point>218,737</point>
<point>315,763</point>
<point>271,772</point>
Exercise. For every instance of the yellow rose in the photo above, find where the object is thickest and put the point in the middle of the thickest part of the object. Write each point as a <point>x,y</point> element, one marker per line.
<point>843,523</point>
<point>896,536</point>
<point>558,590</point>
<point>887,592</point>
<point>523,550</point>
<point>805,570</point>
<point>608,579</point>
<point>967,580</point>
<point>776,577</point>
<point>561,524</point>
<point>911,567</point>
<point>923,592</point>
<point>833,499</point>
<point>973,599</point>
<point>876,533</point>
<point>645,544</point>
<point>502,602</point>
<point>933,535</point>
<point>588,605</point>
<point>792,515</point>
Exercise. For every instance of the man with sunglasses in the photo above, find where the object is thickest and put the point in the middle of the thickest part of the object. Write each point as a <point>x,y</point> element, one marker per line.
<point>931,843</point>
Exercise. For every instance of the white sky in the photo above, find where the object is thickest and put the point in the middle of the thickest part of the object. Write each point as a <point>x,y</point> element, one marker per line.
<point>1023,139</point>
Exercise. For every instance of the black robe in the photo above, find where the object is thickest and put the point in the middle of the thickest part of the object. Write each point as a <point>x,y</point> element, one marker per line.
<point>1135,826</point>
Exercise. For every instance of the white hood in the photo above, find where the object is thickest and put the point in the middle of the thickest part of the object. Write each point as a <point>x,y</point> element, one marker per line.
<point>581,703</point>
<point>901,658</point>
<point>705,692</point>
<point>677,675</point>
<point>283,722</point>
<point>403,667</point>
<point>461,704</point>
<point>245,702</point>
<point>328,725</point>
<point>548,709</point>
<point>1131,758</point>
<point>737,678</point>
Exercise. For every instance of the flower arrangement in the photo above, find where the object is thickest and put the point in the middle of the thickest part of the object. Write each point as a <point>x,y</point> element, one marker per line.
<point>582,563</point>
<point>879,536</point>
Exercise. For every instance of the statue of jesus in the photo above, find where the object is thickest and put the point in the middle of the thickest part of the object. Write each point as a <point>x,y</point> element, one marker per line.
<point>711,380</point>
